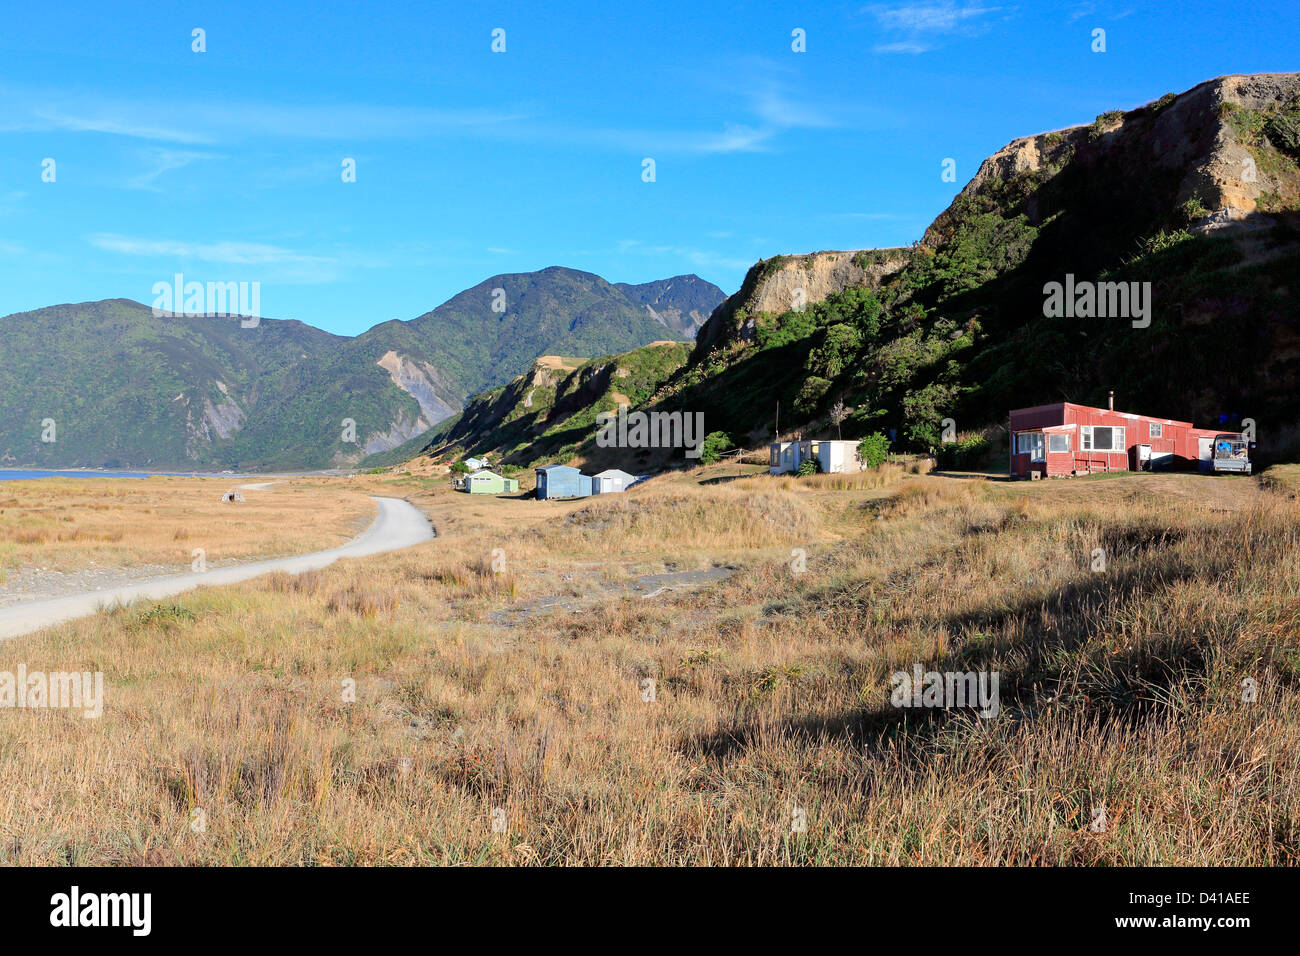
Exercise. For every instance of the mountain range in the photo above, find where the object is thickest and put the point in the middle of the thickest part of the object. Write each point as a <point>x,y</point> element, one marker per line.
<point>113,385</point>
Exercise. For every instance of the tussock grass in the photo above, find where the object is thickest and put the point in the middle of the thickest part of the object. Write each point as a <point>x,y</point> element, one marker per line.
<point>368,602</point>
<point>1120,689</point>
<point>686,517</point>
<point>879,477</point>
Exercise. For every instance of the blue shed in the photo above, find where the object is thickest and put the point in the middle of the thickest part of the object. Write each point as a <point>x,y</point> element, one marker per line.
<point>562,481</point>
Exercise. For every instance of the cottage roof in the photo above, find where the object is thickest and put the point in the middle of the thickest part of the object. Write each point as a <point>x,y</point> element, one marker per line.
<point>1132,416</point>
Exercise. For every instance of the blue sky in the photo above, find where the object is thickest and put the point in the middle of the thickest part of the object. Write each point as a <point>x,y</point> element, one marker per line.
<point>225,165</point>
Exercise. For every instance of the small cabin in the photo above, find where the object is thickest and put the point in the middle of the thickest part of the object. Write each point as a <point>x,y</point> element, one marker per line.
<point>832,456</point>
<point>611,481</point>
<point>562,481</point>
<point>490,483</point>
<point>1050,441</point>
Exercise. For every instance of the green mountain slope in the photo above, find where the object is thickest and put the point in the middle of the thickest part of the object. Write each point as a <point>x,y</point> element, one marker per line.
<point>554,311</point>
<point>550,412</point>
<point>125,388</point>
<point>683,303</point>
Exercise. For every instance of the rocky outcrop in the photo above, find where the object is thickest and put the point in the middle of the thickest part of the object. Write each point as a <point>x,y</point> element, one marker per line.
<point>403,430</point>
<point>421,381</point>
<point>782,283</point>
<point>1200,131</point>
<point>1231,177</point>
<point>207,421</point>
<point>681,304</point>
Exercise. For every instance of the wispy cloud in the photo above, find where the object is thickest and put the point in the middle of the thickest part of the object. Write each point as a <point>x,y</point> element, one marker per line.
<point>272,263</point>
<point>700,258</point>
<point>1091,10</point>
<point>200,122</point>
<point>760,111</point>
<point>93,119</point>
<point>912,46</point>
<point>769,109</point>
<point>921,27</point>
<point>161,160</point>
<point>871,216</point>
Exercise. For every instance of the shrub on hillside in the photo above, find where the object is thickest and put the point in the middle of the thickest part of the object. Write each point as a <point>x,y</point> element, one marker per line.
<point>969,452</point>
<point>838,346</point>
<point>1283,131</point>
<point>874,450</point>
<point>1194,209</point>
<point>715,443</point>
<point>814,389</point>
<point>1165,239</point>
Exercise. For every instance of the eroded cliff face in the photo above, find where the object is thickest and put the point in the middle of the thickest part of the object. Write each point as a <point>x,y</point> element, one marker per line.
<point>421,381</point>
<point>403,430</point>
<point>1205,132</point>
<point>784,282</point>
<point>207,422</point>
<point>1235,175</point>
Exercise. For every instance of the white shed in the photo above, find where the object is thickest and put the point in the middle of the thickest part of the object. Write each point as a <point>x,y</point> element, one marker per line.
<point>836,457</point>
<point>832,457</point>
<point>611,480</point>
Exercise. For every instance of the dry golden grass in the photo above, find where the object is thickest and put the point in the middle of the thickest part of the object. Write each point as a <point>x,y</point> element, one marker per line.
<point>66,524</point>
<point>1120,688</point>
<point>881,477</point>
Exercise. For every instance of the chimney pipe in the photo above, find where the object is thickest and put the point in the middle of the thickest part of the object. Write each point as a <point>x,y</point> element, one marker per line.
<point>1111,405</point>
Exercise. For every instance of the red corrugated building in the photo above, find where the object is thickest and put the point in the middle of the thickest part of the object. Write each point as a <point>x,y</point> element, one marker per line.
<point>1069,439</point>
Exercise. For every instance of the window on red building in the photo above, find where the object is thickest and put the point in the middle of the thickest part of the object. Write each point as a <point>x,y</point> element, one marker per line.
<point>1102,438</point>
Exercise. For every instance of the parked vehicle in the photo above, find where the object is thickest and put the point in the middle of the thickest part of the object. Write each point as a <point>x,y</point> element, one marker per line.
<point>1231,453</point>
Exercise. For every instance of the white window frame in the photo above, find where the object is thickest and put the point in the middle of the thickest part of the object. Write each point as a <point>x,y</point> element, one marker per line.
<point>1060,451</point>
<point>1155,430</point>
<point>1025,445</point>
<point>1086,443</point>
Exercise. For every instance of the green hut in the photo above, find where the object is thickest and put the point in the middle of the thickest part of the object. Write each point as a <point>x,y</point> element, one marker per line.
<point>490,483</point>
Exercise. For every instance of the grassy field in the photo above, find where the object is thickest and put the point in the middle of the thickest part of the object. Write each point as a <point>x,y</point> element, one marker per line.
<point>501,674</point>
<point>68,524</point>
